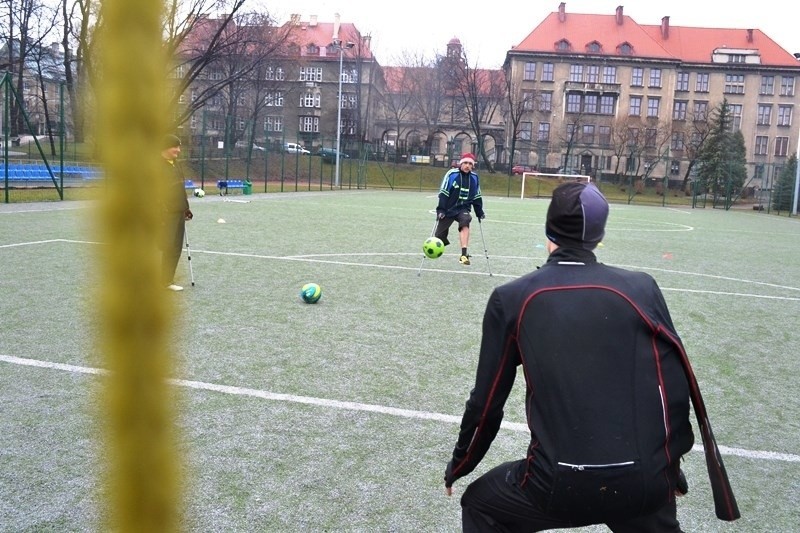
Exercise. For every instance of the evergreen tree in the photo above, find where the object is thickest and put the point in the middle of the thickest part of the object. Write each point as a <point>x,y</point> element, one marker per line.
<point>783,193</point>
<point>722,160</point>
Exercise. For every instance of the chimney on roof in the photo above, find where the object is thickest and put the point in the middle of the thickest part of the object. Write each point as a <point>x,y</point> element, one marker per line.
<point>619,15</point>
<point>562,12</point>
<point>749,36</point>
<point>313,21</point>
<point>665,28</point>
<point>294,19</point>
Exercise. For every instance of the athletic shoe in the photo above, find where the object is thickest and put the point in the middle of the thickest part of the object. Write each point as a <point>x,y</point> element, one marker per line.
<point>174,288</point>
<point>464,260</point>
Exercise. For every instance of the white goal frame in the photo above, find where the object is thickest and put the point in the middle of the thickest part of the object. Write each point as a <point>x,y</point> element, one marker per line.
<point>559,178</point>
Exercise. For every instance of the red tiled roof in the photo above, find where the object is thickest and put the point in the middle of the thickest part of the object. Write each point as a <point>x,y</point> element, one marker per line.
<point>321,35</point>
<point>683,43</point>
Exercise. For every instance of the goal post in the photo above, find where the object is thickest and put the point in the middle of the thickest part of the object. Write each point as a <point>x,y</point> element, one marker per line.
<point>550,181</point>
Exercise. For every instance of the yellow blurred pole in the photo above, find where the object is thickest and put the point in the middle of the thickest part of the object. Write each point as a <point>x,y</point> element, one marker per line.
<point>143,473</point>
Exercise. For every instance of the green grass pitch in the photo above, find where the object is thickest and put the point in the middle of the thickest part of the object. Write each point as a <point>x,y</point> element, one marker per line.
<point>341,416</point>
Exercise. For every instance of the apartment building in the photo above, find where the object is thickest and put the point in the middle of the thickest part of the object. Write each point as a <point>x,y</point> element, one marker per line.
<point>292,93</point>
<point>593,82</point>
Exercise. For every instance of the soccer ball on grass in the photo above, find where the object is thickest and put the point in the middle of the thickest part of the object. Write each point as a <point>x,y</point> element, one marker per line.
<point>433,247</point>
<point>199,192</point>
<point>311,293</point>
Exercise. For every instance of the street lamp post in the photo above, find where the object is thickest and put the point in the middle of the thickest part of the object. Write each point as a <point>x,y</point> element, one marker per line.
<point>338,44</point>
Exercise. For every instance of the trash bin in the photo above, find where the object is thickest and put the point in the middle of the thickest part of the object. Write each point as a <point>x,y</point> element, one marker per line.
<point>247,187</point>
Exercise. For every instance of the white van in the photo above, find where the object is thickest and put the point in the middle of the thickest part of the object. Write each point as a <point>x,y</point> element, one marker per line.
<point>294,148</point>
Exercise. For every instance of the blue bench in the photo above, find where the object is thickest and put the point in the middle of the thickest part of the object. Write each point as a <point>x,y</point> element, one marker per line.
<point>188,184</point>
<point>224,185</point>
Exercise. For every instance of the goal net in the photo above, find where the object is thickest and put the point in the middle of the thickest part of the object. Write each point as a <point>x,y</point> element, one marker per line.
<point>540,184</point>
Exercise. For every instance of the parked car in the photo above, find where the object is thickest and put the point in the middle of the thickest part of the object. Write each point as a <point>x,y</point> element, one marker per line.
<point>294,148</point>
<point>518,170</point>
<point>242,144</point>
<point>329,154</point>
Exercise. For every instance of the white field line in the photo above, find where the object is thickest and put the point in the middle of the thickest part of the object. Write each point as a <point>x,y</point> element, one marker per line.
<point>473,272</point>
<point>360,407</point>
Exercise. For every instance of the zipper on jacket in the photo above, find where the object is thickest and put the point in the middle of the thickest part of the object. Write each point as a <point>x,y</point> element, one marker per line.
<point>596,467</point>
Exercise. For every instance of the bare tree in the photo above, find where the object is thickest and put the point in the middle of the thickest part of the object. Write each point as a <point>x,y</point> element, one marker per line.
<point>482,93</point>
<point>519,103</point>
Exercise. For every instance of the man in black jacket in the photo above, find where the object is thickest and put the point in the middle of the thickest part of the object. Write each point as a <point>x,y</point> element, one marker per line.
<point>608,387</point>
<point>176,212</point>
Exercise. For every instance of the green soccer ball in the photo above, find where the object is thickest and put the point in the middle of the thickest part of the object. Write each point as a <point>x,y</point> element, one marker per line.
<point>433,247</point>
<point>311,293</point>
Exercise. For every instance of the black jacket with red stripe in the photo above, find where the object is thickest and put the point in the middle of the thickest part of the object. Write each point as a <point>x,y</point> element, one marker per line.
<point>608,389</point>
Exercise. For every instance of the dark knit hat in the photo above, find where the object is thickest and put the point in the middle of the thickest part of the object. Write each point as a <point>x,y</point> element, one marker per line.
<point>577,216</point>
<point>171,141</point>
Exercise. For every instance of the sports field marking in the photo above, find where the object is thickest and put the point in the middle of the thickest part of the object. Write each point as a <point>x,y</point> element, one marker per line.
<point>473,272</point>
<point>356,406</point>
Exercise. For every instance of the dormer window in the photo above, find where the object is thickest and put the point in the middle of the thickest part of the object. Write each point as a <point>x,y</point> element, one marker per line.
<point>625,49</point>
<point>563,46</point>
<point>312,49</point>
<point>594,47</point>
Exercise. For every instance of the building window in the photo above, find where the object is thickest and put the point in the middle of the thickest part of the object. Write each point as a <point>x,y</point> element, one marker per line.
<point>761,146</point>
<point>310,99</point>
<point>787,86</point>
<point>594,47</point>
<point>650,135</point>
<point>604,133</point>
<point>527,100</point>
<point>675,167</point>
<point>625,49</point>
<point>309,124</point>
<point>635,109</point>
<point>701,83</point>
<point>563,46</point>
<point>312,49</point>
<point>576,73</point>
<point>632,138</point>
<point>215,75</point>
<point>311,74</point>
<point>764,114</point>
<point>653,106</point>
<point>767,86</point>
<point>587,136</point>
<point>590,104</point>
<point>736,58</point>
<point>655,77</point>
<point>593,74</point>
<point>784,115</point>
<point>547,71</point>
<point>525,131</point>
<point>700,112</point>
<point>349,101</point>
<point>607,105</point>
<point>274,99</point>
<point>273,123</point>
<point>350,75</point>
<point>543,135</point>
<point>781,146</point>
<point>348,126</point>
<point>637,77</point>
<point>275,73</point>
<point>736,116</point>
<point>573,103</point>
<point>734,83</point>
<point>682,82</point>
<point>529,72</point>
<point>677,140</point>
<point>545,101</point>
<point>679,110</point>
<point>609,74</point>
<point>193,122</point>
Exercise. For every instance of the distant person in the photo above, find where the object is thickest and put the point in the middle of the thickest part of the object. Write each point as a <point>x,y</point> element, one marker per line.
<point>608,387</point>
<point>175,212</point>
<point>459,193</point>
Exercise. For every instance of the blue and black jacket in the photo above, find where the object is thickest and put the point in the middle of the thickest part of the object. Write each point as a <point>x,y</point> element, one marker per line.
<point>460,192</point>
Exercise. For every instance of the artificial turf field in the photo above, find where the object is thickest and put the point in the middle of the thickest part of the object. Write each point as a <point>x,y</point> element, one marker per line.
<point>341,416</point>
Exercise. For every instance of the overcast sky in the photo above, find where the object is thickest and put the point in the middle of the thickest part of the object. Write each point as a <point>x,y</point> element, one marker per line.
<point>488,32</point>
